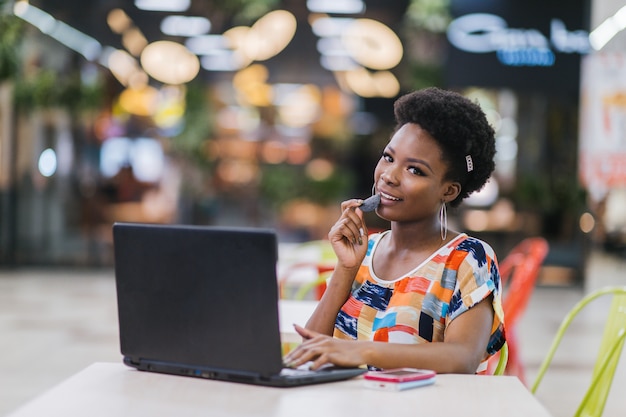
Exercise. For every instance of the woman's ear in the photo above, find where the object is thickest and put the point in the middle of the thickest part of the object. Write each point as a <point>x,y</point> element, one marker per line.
<point>451,191</point>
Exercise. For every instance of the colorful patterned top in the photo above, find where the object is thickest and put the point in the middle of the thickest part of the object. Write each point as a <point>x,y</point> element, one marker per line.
<point>419,306</point>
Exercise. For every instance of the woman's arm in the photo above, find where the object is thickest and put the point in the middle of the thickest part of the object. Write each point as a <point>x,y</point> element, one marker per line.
<point>462,351</point>
<point>337,292</point>
<point>348,236</point>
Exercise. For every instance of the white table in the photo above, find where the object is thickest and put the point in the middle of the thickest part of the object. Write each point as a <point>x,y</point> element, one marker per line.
<point>114,390</point>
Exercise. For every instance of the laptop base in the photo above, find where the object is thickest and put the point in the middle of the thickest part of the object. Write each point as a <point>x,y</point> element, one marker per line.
<point>295,379</point>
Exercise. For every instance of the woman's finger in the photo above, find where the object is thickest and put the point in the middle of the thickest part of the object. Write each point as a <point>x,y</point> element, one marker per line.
<point>352,203</point>
<point>304,332</point>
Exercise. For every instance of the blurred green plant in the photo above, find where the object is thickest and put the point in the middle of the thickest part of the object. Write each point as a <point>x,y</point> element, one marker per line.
<point>225,13</point>
<point>198,124</point>
<point>431,15</point>
<point>282,183</point>
<point>246,10</point>
<point>46,89</point>
<point>10,36</point>
<point>425,75</point>
<point>424,28</point>
<point>43,88</point>
<point>559,201</point>
<point>549,195</point>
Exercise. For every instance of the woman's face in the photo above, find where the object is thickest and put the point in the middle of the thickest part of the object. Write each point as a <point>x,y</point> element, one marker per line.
<point>410,176</point>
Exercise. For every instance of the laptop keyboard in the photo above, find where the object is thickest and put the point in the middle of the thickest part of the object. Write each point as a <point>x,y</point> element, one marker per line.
<point>304,369</point>
<point>296,372</point>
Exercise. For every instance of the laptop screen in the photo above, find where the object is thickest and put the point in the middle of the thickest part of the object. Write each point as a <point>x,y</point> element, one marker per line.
<point>198,295</point>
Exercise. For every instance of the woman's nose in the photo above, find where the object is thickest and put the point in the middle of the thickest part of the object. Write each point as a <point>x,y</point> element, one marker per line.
<point>389,176</point>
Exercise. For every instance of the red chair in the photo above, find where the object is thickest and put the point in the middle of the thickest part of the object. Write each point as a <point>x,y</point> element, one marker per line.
<point>519,271</point>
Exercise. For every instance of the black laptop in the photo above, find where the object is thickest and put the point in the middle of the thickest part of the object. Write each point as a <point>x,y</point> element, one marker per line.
<point>203,302</point>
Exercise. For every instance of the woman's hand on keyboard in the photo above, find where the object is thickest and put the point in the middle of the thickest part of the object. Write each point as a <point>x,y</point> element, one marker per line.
<point>323,350</point>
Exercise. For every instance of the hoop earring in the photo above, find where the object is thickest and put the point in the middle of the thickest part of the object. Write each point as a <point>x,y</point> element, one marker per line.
<point>443,221</point>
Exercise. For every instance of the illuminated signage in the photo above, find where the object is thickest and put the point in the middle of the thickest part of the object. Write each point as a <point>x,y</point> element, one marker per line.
<point>524,45</point>
<point>487,33</point>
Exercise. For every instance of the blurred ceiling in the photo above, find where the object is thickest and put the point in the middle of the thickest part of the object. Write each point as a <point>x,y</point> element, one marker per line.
<point>298,62</point>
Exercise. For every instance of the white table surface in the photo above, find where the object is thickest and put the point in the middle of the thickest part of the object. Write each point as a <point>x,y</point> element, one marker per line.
<point>115,390</point>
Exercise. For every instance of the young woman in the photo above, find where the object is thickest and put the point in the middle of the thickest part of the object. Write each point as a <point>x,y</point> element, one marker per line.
<point>417,295</point>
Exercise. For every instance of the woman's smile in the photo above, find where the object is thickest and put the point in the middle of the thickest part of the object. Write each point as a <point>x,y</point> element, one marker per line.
<point>385,196</point>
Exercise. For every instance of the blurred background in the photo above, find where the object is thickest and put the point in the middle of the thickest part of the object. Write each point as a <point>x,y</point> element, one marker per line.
<point>271,112</point>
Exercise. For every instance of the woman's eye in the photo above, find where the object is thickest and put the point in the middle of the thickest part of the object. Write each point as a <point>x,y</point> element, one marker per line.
<point>387,157</point>
<point>416,171</point>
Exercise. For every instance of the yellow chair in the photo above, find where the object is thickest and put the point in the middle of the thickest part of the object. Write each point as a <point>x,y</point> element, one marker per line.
<point>594,400</point>
<point>316,287</point>
<point>502,360</point>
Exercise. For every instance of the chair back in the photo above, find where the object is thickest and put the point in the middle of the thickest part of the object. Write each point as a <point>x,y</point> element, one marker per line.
<point>519,271</point>
<point>608,357</point>
<point>609,352</point>
<point>312,260</point>
<point>502,360</point>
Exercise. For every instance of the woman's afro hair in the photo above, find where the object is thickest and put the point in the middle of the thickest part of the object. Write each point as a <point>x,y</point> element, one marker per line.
<point>460,128</point>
